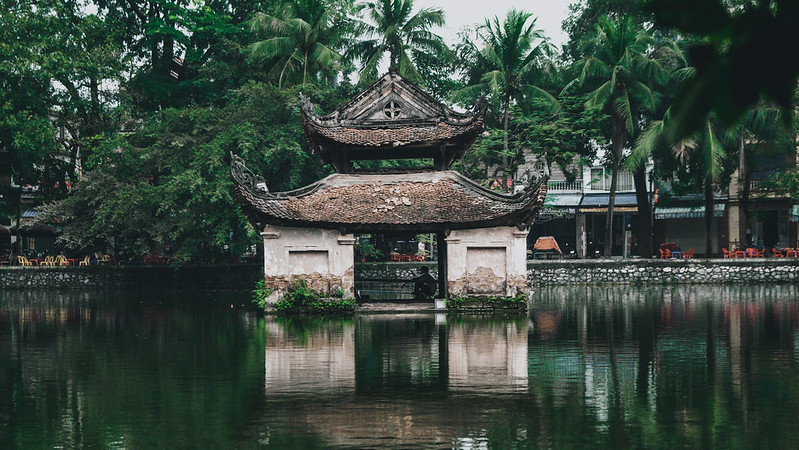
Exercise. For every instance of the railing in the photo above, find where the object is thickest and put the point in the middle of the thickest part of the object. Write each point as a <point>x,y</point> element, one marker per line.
<point>563,185</point>
<point>384,289</point>
<point>624,183</point>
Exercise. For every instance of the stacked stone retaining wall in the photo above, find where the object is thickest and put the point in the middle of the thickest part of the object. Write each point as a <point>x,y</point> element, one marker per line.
<point>539,273</point>
<point>216,277</point>
<point>655,271</point>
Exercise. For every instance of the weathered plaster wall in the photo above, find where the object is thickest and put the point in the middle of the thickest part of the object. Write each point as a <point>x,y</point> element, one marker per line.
<point>487,261</point>
<point>655,271</point>
<point>325,258</point>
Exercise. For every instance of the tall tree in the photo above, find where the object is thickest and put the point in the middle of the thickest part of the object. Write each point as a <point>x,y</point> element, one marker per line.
<point>512,64</point>
<point>301,41</point>
<point>583,16</point>
<point>737,62</point>
<point>168,183</point>
<point>392,27</point>
<point>701,157</point>
<point>620,71</point>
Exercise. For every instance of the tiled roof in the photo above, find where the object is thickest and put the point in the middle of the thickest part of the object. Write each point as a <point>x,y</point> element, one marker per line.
<point>427,201</point>
<point>392,112</point>
<point>396,136</point>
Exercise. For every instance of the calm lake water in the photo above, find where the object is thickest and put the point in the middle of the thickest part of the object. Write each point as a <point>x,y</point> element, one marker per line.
<point>701,366</point>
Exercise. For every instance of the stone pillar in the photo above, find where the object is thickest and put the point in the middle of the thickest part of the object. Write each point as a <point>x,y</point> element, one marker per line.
<point>581,238</point>
<point>487,262</point>
<point>736,230</point>
<point>324,258</point>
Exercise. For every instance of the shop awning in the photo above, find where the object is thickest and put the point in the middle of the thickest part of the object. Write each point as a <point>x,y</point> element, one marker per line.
<point>604,210</point>
<point>602,200</point>
<point>34,231</point>
<point>546,214</point>
<point>563,200</point>
<point>686,212</point>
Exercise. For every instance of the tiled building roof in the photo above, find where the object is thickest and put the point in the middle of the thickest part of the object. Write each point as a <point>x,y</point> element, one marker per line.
<point>426,201</point>
<point>392,118</point>
<point>404,133</point>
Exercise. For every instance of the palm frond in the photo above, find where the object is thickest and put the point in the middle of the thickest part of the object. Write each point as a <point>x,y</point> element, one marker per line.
<point>645,145</point>
<point>623,109</point>
<point>599,96</point>
<point>713,154</point>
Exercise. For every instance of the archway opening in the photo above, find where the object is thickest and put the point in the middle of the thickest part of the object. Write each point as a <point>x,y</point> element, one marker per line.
<point>387,263</point>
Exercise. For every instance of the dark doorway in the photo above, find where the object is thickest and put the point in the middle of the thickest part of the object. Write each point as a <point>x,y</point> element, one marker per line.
<point>771,231</point>
<point>386,263</point>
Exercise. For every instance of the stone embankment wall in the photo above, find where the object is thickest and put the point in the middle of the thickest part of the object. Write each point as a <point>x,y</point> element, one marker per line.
<point>655,271</point>
<point>539,273</point>
<point>216,277</point>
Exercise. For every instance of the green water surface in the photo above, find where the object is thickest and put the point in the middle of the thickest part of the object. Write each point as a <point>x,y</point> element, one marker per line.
<point>619,366</point>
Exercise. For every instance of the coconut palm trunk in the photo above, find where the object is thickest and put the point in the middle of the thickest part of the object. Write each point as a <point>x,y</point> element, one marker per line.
<point>709,217</point>
<point>645,245</point>
<point>744,178</point>
<point>619,138</point>
<point>505,142</point>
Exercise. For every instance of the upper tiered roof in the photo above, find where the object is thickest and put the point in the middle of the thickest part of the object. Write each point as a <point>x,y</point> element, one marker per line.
<point>392,119</point>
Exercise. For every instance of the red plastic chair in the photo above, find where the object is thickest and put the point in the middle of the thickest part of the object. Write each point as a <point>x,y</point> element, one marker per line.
<point>689,254</point>
<point>664,253</point>
<point>727,254</point>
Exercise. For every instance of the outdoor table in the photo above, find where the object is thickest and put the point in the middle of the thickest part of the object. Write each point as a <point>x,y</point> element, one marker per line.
<point>740,254</point>
<point>71,261</point>
<point>34,261</point>
<point>676,254</point>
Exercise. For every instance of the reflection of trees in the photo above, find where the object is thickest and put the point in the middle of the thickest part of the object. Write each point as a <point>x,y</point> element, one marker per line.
<point>105,370</point>
<point>678,366</point>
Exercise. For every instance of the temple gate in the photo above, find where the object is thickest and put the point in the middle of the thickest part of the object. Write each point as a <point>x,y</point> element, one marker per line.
<point>309,232</point>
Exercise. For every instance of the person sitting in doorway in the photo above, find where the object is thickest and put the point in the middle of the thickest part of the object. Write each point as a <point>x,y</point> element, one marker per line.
<point>424,286</point>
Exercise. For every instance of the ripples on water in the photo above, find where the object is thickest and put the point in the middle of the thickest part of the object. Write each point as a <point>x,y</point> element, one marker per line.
<point>688,366</point>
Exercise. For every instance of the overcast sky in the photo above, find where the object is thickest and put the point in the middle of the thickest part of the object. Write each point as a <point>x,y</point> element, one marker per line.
<point>460,13</point>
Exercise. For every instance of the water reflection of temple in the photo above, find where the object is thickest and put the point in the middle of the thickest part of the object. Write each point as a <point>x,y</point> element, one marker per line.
<point>374,354</point>
<point>619,359</point>
<point>685,366</point>
<point>388,379</point>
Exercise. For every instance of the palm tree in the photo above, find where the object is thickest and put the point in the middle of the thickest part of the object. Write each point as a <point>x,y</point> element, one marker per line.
<point>706,146</point>
<point>702,156</point>
<point>761,129</point>
<point>300,41</point>
<point>621,72</point>
<point>393,28</point>
<point>511,65</point>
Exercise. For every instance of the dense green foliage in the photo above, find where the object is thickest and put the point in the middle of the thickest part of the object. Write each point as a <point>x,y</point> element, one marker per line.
<point>124,113</point>
<point>301,299</point>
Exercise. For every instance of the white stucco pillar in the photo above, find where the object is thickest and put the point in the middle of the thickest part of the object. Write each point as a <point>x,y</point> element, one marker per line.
<point>488,262</point>
<point>324,258</point>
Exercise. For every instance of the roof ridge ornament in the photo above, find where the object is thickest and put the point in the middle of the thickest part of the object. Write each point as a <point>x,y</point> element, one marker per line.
<point>539,174</point>
<point>245,177</point>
